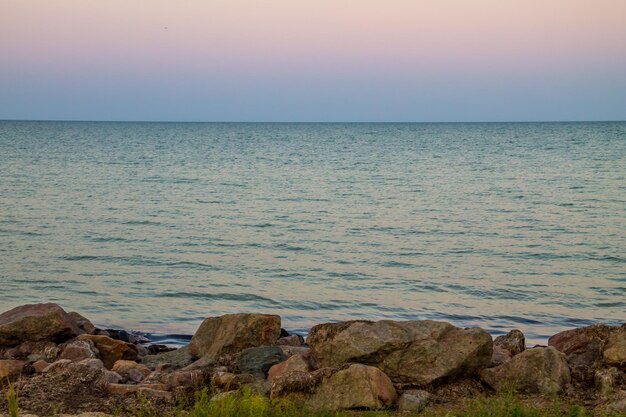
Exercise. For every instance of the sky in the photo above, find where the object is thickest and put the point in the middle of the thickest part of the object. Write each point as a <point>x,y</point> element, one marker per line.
<point>305,60</point>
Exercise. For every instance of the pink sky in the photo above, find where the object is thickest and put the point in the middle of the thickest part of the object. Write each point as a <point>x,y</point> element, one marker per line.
<point>376,40</point>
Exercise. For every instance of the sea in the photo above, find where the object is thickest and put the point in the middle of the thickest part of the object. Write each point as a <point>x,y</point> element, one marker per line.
<point>155,226</point>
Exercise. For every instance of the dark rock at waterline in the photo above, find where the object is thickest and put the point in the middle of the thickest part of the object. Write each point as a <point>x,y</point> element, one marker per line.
<point>540,370</point>
<point>259,360</point>
<point>411,353</point>
<point>232,333</point>
<point>36,322</point>
<point>585,348</point>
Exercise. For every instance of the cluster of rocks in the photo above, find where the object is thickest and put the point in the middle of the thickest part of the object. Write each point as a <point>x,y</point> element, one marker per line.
<point>61,360</point>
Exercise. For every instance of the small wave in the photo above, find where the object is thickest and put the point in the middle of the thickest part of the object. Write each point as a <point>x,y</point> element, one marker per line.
<point>246,297</point>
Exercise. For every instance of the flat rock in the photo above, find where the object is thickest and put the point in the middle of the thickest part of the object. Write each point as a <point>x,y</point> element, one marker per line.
<point>411,353</point>
<point>233,333</point>
<point>111,350</point>
<point>36,322</point>
<point>535,371</point>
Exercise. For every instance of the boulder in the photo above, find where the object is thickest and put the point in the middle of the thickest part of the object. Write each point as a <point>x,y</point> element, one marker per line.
<point>414,401</point>
<point>77,350</point>
<point>72,388</point>
<point>535,371</point>
<point>36,322</point>
<point>177,359</point>
<point>583,348</point>
<point>411,353</point>
<point>614,353</point>
<point>296,363</point>
<point>111,350</point>
<point>233,333</point>
<point>10,369</point>
<point>259,360</point>
<point>131,370</point>
<point>513,342</point>
<point>356,387</point>
<point>84,325</point>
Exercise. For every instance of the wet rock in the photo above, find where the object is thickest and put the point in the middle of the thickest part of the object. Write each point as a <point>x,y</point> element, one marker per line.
<point>111,350</point>
<point>177,359</point>
<point>259,360</point>
<point>291,340</point>
<point>131,370</point>
<point>77,350</point>
<point>534,371</point>
<point>233,333</point>
<point>513,342</point>
<point>614,353</point>
<point>583,348</point>
<point>296,363</point>
<point>607,381</point>
<point>10,369</point>
<point>411,353</point>
<point>357,387</point>
<point>414,401</point>
<point>84,325</point>
<point>36,322</point>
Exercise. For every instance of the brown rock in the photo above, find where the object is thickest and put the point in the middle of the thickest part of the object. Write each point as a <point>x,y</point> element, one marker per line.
<point>357,387</point>
<point>414,401</point>
<point>608,380</point>
<point>583,348</point>
<point>411,353</point>
<point>177,359</point>
<point>77,350</point>
<point>194,378</point>
<point>84,325</point>
<point>513,342</point>
<point>232,333</point>
<point>61,363</point>
<point>291,340</point>
<point>40,365</point>
<point>36,322</point>
<point>111,350</point>
<point>131,370</point>
<point>298,363</point>
<point>10,369</point>
<point>92,363</point>
<point>499,356</point>
<point>614,353</point>
<point>535,371</point>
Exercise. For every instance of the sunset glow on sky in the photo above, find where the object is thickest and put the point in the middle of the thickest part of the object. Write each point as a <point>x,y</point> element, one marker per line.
<point>286,60</point>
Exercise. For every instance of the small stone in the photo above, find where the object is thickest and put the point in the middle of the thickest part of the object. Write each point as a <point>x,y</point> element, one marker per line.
<point>112,377</point>
<point>40,365</point>
<point>130,370</point>
<point>92,363</point>
<point>298,363</point>
<point>77,350</point>
<point>514,342</point>
<point>414,400</point>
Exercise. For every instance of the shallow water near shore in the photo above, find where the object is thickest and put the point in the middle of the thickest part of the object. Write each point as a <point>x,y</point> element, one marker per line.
<point>155,226</point>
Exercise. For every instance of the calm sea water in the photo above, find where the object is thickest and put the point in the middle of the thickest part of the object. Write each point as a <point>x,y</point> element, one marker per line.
<point>155,226</point>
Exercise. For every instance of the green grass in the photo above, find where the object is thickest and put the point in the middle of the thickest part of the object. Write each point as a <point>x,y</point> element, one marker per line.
<point>10,395</point>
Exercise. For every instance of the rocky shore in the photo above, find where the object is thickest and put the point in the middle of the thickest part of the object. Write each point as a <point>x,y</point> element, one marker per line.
<point>59,362</point>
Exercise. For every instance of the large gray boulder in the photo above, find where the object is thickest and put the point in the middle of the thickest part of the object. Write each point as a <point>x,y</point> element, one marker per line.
<point>535,371</point>
<point>411,353</point>
<point>233,333</point>
<point>36,322</point>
